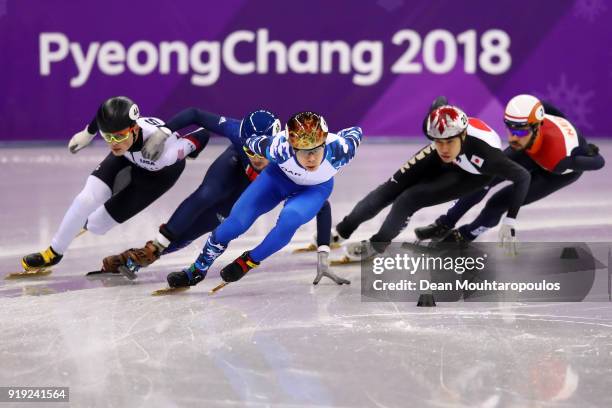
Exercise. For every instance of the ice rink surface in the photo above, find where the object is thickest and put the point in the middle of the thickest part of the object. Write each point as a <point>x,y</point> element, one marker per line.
<point>274,339</point>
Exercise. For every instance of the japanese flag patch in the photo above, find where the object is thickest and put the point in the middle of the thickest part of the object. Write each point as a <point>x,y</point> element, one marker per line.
<point>478,161</point>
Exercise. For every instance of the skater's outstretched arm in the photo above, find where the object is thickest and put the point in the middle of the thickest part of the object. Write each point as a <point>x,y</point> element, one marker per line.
<point>83,138</point>
<point>550,109</point>
<point>585,157</point>
<point>274,148</point>
<point>177,148</point>
<point>93,126</point>
<point>581,163</point>
<point>220,125</point>
<point>343,149</point>
<point>157,144</point>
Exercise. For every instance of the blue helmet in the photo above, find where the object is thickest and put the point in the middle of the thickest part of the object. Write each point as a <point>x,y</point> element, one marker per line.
<point>259,123</point>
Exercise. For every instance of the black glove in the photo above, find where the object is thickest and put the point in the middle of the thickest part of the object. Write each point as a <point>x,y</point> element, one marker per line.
<point>592,150</point>
<point>439,101</point>
<point>195,153</point>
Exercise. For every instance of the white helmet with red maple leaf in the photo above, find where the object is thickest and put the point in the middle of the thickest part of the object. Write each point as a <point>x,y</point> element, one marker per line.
<point>446,122</point>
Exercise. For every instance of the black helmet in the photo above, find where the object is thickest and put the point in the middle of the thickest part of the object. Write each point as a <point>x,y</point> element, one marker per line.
<point>117,114</point>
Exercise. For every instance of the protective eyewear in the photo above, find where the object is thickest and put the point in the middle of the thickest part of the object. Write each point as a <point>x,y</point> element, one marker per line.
<point>251,153</point>
<point>519,132</point>
<point>304,153</point>
<point>117,137</point>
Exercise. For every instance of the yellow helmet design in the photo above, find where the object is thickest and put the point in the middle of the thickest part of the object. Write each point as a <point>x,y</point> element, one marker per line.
<point>306,130</point>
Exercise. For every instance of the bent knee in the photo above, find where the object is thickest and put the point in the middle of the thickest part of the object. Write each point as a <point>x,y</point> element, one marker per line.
<point>100,221</point>
<point>290,219</point>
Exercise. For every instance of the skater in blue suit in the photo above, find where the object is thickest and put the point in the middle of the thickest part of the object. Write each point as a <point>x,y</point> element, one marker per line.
<point>304,159</point>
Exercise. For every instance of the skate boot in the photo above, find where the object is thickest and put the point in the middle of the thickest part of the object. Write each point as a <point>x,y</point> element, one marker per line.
<point>189,276</point>
<point>129,262</point>
<point>137,258</point>
<point>237,269</point>
<point>336,239</point>
<point>435,232</point>
<point>360,251</point>
<point>39,260</point>
<point>196,273</point>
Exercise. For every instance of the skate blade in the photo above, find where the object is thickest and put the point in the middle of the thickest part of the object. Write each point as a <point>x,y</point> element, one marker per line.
<point>29,274</point>
<point>309,248</point>
<point>169,291</point>
<point>102,275</point>
<point>127,272</point>
<point>313,248</point>
<point>97,273</point>
<point>345,260</point>
<point>217,288</point>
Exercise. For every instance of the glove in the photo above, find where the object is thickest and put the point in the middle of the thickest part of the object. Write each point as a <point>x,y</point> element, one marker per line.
<point>507,236</point>
<point>154,146</point>
<point>592,150</point>
<point>323,268</point>
<point>80,140</point>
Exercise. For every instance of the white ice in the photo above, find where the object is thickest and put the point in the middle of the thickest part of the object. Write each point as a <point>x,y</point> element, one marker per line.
<point>273,338</point>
